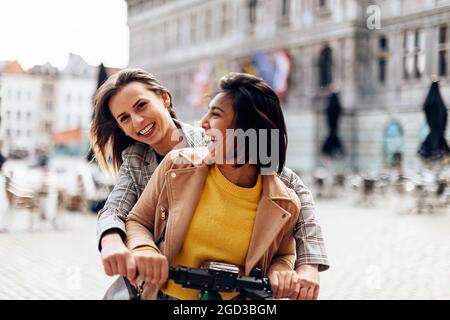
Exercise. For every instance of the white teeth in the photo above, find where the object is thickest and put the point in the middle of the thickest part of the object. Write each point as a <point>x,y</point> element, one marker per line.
<point>147,129</point>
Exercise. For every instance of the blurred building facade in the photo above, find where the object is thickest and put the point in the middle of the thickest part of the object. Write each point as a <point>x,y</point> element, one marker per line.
<point>380,55</point>
<point>77,83</point>
<point>43,102</point>
<point>20,93</point>
<point>46,119</point>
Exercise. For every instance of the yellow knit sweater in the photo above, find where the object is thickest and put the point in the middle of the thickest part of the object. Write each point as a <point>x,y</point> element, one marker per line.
<point>220,230</point>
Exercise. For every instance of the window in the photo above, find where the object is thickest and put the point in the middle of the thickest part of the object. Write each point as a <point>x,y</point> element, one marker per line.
<point>208,24</point>
<point>383,53</point>
<point>383,43</point>
<point>180,30</point>
<point>408,57</point>
<point>193,28</point>
<point>169,36</point>
<point>48,106</point>
<point>48,127</point>
<point>284,17</point>
<point>252,4</point>
<point>419,57</point>
<point>325,67</point>
<point>322,7</point>
<point>285,8</point>
<point>19,115</point>
<point>225,24</point>
<point>443,49</point>
<point>414,54</point>
<point>393,143</point>
<point>160,45</point>
<point>149,42</point>
<point>382,64</point>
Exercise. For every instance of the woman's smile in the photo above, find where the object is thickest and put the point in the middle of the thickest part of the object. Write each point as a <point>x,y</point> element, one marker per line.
<point>147,131</point>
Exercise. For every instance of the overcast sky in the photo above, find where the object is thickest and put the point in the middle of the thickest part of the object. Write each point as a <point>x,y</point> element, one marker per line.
<point>39,31</point>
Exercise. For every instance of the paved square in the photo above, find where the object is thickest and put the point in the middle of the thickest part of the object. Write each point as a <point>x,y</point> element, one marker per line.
<point>375,253</point>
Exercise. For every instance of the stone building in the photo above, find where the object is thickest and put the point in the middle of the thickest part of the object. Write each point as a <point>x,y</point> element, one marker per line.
<point>381,56</point>
<point>46,116</point>
<point>20,94</point>
<point>43,101</point>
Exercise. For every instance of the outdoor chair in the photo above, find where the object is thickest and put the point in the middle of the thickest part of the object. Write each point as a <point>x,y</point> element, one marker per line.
<point>28,197</point>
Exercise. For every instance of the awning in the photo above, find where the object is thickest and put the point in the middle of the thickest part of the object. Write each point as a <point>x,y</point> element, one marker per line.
<point>67,137</point>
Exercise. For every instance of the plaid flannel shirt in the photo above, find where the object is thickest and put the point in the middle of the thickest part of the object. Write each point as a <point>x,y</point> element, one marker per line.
<point>139,163</point>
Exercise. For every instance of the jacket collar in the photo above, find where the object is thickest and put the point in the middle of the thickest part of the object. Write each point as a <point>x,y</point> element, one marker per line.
<point>270,219</point>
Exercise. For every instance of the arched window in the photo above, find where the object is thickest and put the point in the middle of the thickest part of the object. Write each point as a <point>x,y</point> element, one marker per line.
<point>325,67</point>
<point>252,11</point>
<point>393,143</point>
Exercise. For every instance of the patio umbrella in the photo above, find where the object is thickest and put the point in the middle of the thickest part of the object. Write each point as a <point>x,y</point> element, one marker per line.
<point>435,146</point>
<point>332,146</point>
<point>101,77</point>
<point>2,160</point>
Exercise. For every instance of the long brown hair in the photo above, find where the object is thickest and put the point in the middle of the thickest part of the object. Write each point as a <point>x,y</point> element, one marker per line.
<point>107,138</point>
<point>256,106</point>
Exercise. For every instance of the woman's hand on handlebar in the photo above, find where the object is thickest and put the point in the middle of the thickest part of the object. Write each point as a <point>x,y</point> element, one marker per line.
<point>152,266</point>
<point>117,259</point>
<point>284,284</point>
